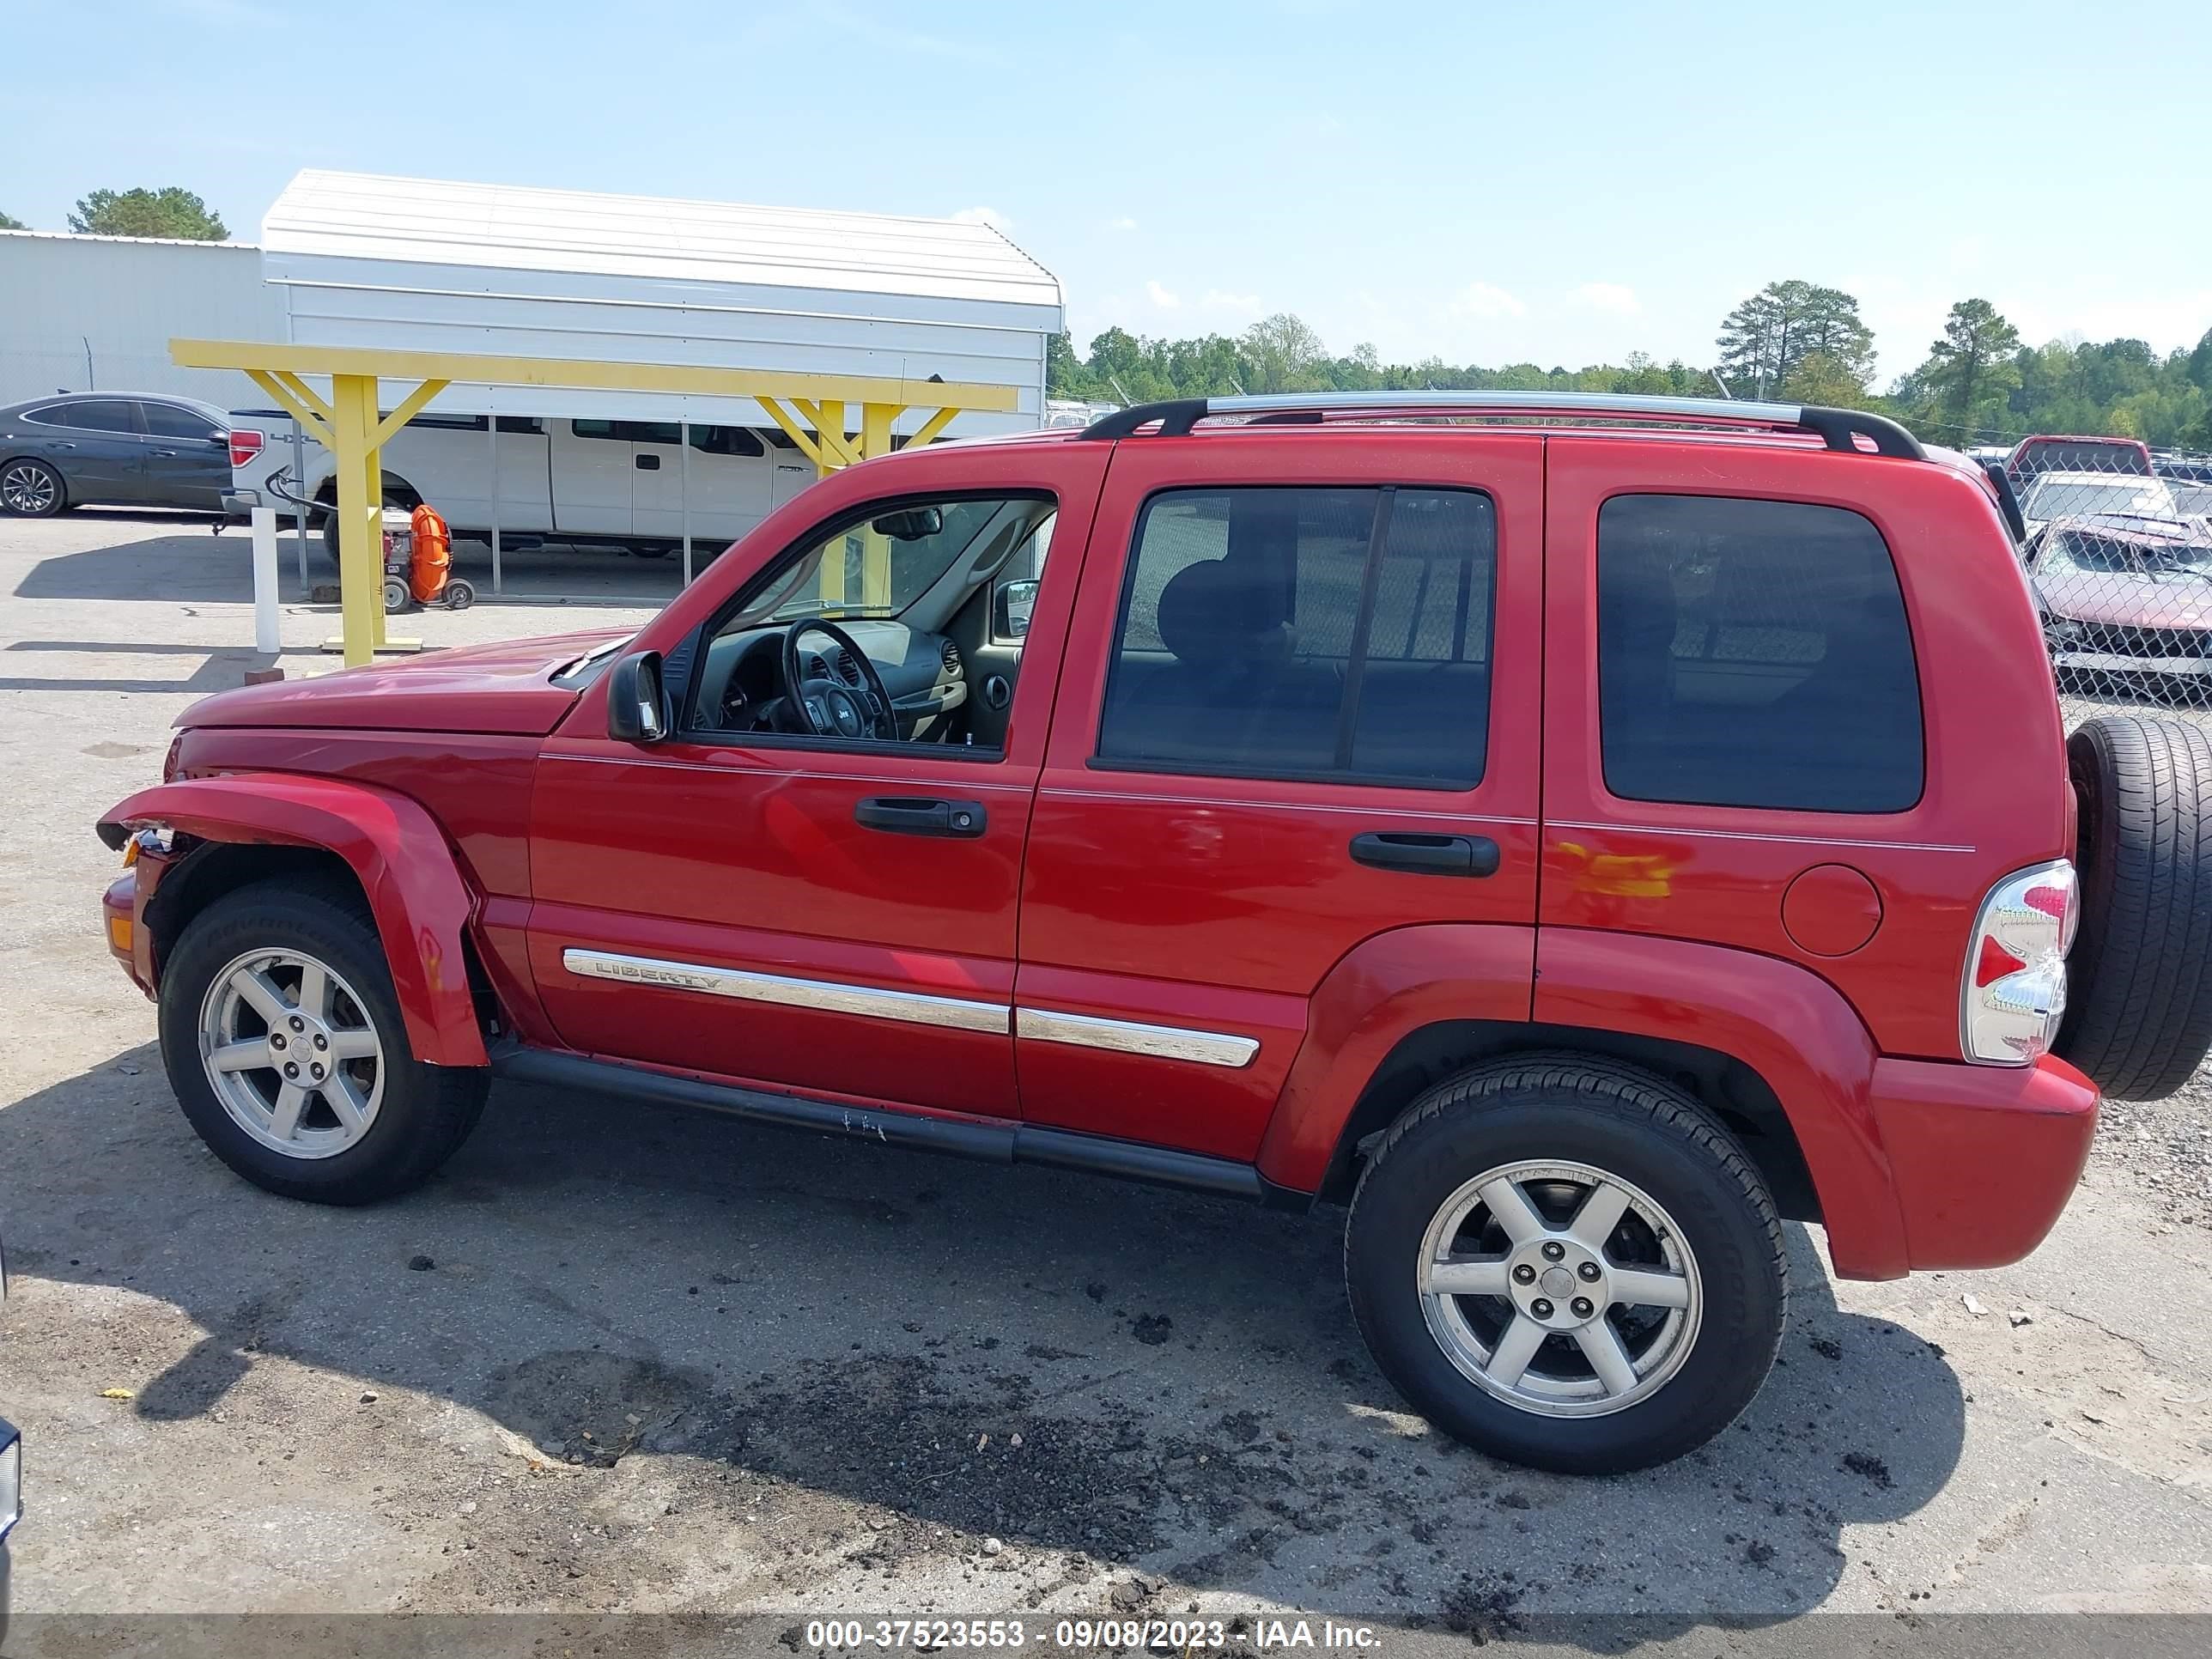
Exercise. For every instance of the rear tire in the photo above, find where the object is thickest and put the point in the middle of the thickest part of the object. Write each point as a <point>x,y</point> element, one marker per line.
<point>381,1129</point>
<point>1656,1336</point>
<point>2139,1009</point>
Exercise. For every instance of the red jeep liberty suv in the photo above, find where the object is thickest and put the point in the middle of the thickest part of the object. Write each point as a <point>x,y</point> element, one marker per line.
<point>1579,832</point>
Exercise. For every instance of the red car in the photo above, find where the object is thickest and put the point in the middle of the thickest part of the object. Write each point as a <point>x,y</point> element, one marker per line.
<point>1579,834</point>
<point>2031,457</point>
<point>2126,602</point>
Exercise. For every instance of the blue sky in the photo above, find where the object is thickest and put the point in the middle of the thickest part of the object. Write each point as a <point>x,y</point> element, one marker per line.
<point>1486,182</point>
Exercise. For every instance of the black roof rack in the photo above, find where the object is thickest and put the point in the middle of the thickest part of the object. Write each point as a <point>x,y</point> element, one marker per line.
<point>1839,429</point>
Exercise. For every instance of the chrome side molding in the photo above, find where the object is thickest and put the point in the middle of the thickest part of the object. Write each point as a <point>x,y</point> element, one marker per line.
<point>917,1008</point>
<point>912,1007</point>
<point>1131,1037</point>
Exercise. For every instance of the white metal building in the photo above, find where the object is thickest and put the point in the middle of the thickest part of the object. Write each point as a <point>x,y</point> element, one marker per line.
<point>413,264</point>
<point>86,313</point>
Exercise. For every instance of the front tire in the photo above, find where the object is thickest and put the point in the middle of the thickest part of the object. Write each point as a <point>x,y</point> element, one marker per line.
<point>284,1043</point>
<point>1562,1261</point>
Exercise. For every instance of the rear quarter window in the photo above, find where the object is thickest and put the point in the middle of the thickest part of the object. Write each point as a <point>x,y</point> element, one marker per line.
<point>1754,654</point>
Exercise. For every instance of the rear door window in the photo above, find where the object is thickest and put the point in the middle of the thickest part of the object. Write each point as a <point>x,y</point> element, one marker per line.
<point>1754,654</point>
<point>167,421</point>
<point>1334,634</point>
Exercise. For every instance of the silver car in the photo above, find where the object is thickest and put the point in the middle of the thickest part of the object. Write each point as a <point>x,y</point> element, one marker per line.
<point>114,448</point>
<point>2081,494</point>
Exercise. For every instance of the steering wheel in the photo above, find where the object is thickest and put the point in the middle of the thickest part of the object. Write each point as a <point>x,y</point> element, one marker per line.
<point>825,706</point>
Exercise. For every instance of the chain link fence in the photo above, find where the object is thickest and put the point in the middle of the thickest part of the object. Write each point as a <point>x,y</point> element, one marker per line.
<point>2119,555</point>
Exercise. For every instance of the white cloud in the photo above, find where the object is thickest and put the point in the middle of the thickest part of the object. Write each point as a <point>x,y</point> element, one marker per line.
<point>1487,301</point>
<point>983,215</point>
<point>1216,299</point>
<point>1125,222</point>
<point>1165,298</point>
<point>1616,297</point>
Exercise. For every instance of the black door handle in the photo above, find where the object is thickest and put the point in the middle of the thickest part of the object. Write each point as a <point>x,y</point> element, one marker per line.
<point>1425,855</point>
<point>648,463</point>
<point>922,815</point>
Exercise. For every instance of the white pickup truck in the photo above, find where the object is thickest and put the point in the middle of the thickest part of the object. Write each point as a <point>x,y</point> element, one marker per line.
<point>586,481</point>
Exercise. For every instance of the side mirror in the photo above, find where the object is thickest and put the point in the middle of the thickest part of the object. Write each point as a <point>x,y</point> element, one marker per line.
<point>637,712</point>
<point>1011,608</point>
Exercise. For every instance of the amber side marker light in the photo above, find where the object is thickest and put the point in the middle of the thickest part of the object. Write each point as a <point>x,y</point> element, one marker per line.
<point>118,932</point>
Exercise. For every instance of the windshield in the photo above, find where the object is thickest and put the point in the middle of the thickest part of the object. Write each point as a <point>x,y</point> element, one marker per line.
<point>2088,552</point>
<point>2067,498</point>
<point>879,566</point>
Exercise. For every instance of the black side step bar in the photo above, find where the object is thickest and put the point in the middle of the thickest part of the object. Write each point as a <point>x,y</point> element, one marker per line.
<point>991,1143</point>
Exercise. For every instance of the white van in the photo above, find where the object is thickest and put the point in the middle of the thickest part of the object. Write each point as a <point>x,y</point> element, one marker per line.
<point>588,481</point>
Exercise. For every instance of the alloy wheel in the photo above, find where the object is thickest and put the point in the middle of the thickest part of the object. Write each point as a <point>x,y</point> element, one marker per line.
<point>27,490</point>
<point>1559,1289</point>
<point>291,1053</point>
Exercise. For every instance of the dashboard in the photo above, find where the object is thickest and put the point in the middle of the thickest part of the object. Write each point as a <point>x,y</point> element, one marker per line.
<point>922,671</point>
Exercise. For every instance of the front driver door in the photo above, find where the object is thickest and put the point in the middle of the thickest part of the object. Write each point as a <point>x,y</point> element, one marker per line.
<point>1299,711</point>
<point>758,906</point>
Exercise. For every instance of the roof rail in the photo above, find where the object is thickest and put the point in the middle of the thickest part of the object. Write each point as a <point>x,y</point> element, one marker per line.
<point>1840,428</point>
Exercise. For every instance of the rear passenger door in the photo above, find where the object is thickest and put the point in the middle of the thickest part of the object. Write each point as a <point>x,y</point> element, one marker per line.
<point>1298,709</point>
<point>187,457</point>
<point>594,473</point>
<point>1734,751</point>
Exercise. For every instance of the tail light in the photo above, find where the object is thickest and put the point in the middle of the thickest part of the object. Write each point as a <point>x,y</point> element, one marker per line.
<point>2015,990</point>
<point>245,445</point>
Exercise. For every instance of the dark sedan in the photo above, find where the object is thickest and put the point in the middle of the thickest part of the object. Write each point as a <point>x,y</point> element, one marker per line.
<point>114,448</point>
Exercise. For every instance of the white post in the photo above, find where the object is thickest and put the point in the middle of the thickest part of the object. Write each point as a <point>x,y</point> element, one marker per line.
<point>684,488</point>
<point>491,425</point>
<point>266,638</point>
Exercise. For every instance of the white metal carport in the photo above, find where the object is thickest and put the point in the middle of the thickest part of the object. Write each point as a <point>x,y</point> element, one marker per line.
<point>418,265</point>
<point>566,304</point>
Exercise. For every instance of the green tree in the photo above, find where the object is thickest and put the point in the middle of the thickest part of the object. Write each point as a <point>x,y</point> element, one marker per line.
<point>1282,354</point>
<point>2198,366</point>
<point>8,223</point>
<point>1763,339</point>
<point>1821,379</point>
<point>172,210</point>
<point>1970,367</point>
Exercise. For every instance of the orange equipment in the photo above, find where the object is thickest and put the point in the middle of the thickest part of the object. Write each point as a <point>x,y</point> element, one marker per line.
<point>430,571</point>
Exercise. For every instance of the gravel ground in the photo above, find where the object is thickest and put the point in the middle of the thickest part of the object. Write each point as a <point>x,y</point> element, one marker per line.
<point>614,1358</point>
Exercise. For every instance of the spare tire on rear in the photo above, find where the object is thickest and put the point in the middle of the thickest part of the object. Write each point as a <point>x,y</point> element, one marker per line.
<point>2139,998</point>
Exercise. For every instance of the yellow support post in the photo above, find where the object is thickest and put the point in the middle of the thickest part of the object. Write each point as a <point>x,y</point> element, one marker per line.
<point>876,548</point>
<point>829,418</point>
<point>360,503</point>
